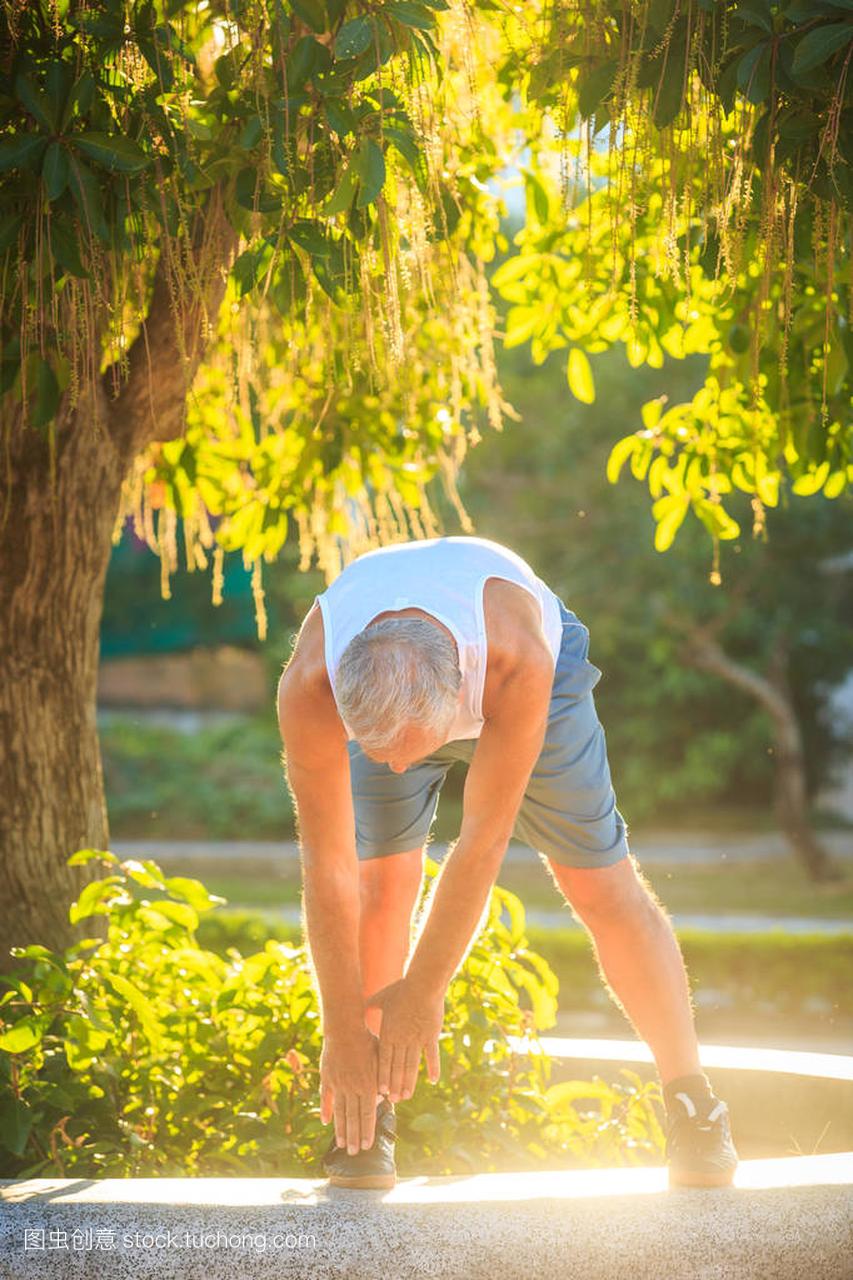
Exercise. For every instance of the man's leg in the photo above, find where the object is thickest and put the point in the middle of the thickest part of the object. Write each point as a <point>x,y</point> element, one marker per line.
<point>639,958</point>
<point>389,889</point>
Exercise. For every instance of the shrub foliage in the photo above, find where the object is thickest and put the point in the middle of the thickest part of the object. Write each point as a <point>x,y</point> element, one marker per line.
<point>142,1053</point>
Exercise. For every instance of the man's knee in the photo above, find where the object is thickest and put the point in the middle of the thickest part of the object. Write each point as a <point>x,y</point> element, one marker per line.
<point>390,881</point>
<point>600,894</point>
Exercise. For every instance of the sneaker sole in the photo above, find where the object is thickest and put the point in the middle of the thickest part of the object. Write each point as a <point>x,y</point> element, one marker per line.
<point>723,1178</point>
<point>366,1182</point>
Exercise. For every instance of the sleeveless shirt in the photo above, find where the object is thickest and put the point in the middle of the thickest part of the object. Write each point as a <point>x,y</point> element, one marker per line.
<point>444,577</point>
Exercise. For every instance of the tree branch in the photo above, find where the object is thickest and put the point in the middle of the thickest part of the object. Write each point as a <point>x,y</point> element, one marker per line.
<point>164,357</point>
<point>702,649</point>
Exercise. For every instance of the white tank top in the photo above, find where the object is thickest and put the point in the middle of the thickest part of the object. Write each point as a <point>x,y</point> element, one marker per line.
<point>444,577</point>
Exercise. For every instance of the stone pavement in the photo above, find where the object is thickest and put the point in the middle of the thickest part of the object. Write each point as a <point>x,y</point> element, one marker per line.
<point>785,1217</point>
<point>782,1220</point>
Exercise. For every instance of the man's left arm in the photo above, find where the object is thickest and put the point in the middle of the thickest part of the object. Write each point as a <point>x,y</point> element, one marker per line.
<point>508,748</point>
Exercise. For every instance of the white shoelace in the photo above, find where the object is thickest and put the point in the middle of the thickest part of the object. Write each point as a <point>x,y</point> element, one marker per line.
<point>690,1106</point>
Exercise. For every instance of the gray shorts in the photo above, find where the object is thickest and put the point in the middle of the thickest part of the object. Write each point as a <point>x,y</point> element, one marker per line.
<point>569,809</point>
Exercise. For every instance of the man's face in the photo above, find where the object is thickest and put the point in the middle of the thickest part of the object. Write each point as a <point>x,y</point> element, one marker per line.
<point>413,745</point>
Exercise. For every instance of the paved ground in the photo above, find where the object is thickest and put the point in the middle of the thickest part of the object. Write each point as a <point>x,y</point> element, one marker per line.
<point>784,1219</point>
<point>679,847</point>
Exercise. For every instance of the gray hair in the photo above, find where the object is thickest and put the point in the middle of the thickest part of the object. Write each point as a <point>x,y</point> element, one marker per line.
<point>396,673</point>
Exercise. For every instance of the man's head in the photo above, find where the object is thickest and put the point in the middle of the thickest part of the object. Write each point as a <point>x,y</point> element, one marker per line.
<point>397,687</point>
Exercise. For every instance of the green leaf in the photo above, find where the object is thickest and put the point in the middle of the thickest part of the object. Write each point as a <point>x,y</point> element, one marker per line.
<point>369,165</point>
<point>580,376</point>
<point>716,519</point>
<point>342,197</point>
<point>66,251</point>
<point>180,913</point>
<point>111,151</point>
<point>24,1034</point>
<point>595,85</point>
<point>80,97</point>
<point>22,151</point>
<point>411,14</point>
<point>310,236</point>
<point>142,1007</point>
<point>10,226</point>
<point>537,197</point>
<point>341,117</point>
<point>311,12</point>
<point>354,38</point>
<point>404,142</point>
<point>55,171</point>
<point>660,12</point>
<point>669,512</point>
<point>96,898</point>
<point>83,1042</point>
<point>81,856</point>
<point>87,196</point>
<point>47,394</point>
<point>338,273</point>
<point>818,46</point>
<point>251,193</point>
<point>754,17</point>
<point>836,484</point>
<point>140,873</point>
<point>58,82</point>
<point>811,481</point>
<point>301,61</point>
<point>193,892</point>
<point>250,134</point>
<point>159,61</point>
<point>667,96</point>
<point>249,269</point>
<point>651,412</point>
<point>16,1120</point>
<point>619,454</point>
<point>521,322</point>
<point>753,72</point>
<point>35,102</point>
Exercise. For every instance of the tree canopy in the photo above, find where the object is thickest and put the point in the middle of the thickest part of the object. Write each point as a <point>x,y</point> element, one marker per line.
<point>682,744</point>
<point>687,173</point>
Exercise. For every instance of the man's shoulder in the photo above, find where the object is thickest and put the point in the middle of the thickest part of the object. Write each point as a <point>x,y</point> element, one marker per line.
<point>513,619</point>
<point>515,640</point>
<point>305,678</point>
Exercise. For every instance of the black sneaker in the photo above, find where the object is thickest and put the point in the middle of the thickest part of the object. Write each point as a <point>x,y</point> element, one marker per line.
<point>699,1147</point>
<point>373,1168</point>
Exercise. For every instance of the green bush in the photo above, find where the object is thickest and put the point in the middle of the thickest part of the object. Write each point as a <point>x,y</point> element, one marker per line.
<point>144,1052</point>
<point>224,781</point>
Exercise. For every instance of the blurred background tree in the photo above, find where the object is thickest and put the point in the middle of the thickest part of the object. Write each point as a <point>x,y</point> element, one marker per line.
<point>778,631</point>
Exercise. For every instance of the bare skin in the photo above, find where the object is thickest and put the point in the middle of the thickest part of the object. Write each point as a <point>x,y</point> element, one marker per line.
<point>378,1020</point>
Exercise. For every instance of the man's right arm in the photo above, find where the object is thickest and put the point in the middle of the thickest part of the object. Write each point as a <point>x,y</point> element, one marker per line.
<point>318,774</point>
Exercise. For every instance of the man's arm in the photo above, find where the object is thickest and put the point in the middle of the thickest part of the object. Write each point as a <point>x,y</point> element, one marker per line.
<point>318,774</point>
<point>508,748</point>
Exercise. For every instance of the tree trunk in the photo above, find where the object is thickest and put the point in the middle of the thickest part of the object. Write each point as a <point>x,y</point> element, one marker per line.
<point>791,792</point>
<point>56,525</point>
<point>54,558</point>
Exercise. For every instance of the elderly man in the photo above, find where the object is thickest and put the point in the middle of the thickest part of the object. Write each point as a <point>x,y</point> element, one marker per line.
<point>420,654</point>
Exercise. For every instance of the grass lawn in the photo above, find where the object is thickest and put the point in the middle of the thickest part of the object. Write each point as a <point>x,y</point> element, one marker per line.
<point>775,887</point>
<point>772,887</point>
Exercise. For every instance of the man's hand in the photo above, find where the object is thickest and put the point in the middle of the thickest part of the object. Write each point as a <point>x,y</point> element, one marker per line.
<point>411,1023</point>
<point>348,1087</point>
